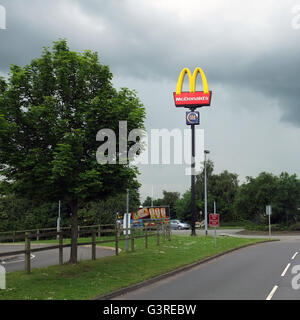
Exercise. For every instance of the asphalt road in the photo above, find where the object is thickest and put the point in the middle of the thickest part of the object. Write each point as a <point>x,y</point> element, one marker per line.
<point>49,257</point>
<point>259,272</point>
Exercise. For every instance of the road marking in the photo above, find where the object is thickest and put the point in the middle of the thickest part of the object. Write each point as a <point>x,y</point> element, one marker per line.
<point>32,256</point>
<point>293,257</point>
<point>271,294</point>
<point>285,270</point>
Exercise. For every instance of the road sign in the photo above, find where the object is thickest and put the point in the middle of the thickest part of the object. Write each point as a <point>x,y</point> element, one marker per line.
<point>192,117</point>
<point>126,224</point>
<point>214,220</point>
<point>268,210</point>
<point>268,213</point>
<point>193,98</point>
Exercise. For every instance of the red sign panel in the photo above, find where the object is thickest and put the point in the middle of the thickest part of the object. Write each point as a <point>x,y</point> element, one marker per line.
<point>192,99</point>
<point>214,220</point>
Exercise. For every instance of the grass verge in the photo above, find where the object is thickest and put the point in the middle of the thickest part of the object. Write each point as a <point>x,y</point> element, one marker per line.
<point>89,279</point>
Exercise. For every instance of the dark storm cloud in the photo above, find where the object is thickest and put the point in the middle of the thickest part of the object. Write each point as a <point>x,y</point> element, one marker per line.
<point>241,45</point>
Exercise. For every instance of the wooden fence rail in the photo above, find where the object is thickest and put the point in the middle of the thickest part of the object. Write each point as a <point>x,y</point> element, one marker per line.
<point>135,233</point>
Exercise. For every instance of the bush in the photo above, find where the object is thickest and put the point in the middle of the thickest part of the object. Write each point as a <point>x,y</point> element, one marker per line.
<point>249,225</point>
<point>295,227</point>
<point>279,227</point>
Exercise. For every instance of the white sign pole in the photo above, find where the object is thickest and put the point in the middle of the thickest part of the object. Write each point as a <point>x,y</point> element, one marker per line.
<point>58,220</point>
<point>269,212</point>
<point>269,225</point>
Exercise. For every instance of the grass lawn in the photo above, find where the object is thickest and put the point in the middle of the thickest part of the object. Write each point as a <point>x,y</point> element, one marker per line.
<point>89,279</point>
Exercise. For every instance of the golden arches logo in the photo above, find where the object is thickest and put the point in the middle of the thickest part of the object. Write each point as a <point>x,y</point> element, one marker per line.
<point>193,98</point>
<point>192,79</point>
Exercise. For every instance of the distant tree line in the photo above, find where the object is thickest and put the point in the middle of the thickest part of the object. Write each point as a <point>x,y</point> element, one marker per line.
<point>239,203</point>
<point>246,202</point>
<point>24,214</point>
<point>236,203</point>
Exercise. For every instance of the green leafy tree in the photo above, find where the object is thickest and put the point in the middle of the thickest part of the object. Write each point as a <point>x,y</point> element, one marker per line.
<point>253,196</point>
<point>22,214</point>
<point>286,202</point>
<point>169,199</point>
<point>50,113</point>
<point>183,207</point>
<point>221,188</point>
<point>105,211</point>
<point>156,202</point>
<point>147,202</point>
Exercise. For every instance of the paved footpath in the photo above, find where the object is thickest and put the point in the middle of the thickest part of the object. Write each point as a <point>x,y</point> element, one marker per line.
<point>49,257</point>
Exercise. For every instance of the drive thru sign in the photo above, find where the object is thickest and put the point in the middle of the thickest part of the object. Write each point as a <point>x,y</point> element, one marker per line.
<point>214,220</point>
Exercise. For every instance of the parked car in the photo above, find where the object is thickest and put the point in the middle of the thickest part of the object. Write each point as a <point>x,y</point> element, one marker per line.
<point>179,225</point>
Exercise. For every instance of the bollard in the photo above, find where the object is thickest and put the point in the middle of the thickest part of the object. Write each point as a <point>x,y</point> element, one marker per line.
<point>27,253</point>
<point>94,245</point>
<point>60,249</point>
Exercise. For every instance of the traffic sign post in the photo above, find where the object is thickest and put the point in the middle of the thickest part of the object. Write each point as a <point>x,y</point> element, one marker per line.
<point>126,229</point>
<point>214,221</point>
<point>268,213</point>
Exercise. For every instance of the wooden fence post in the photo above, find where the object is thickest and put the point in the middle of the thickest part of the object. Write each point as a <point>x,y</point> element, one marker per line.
<point>132,239</point>
<point>146,237</point>
<point>61,248</point>
<point>99,231</point>
<point>27,252</point>
<point>94,245</point>
<point>37,235</point>
<point>78,235</point>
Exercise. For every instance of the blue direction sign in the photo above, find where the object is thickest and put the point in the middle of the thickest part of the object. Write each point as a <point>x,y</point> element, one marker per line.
<point>192,117</point>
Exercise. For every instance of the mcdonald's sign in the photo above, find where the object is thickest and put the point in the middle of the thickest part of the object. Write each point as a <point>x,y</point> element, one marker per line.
<point>193,98</point>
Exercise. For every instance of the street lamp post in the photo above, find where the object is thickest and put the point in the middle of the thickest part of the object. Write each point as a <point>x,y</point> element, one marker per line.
<point>126,223</point>
<point>205,191</point>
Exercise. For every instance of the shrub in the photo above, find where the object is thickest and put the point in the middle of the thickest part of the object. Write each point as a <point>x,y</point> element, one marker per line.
<point>295,227</point>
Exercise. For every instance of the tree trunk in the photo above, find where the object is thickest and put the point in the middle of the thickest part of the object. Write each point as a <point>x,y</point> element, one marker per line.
<point>74,231</point>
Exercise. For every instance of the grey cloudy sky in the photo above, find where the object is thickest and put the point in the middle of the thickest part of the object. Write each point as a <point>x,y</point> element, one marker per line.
<point>249,50</point>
